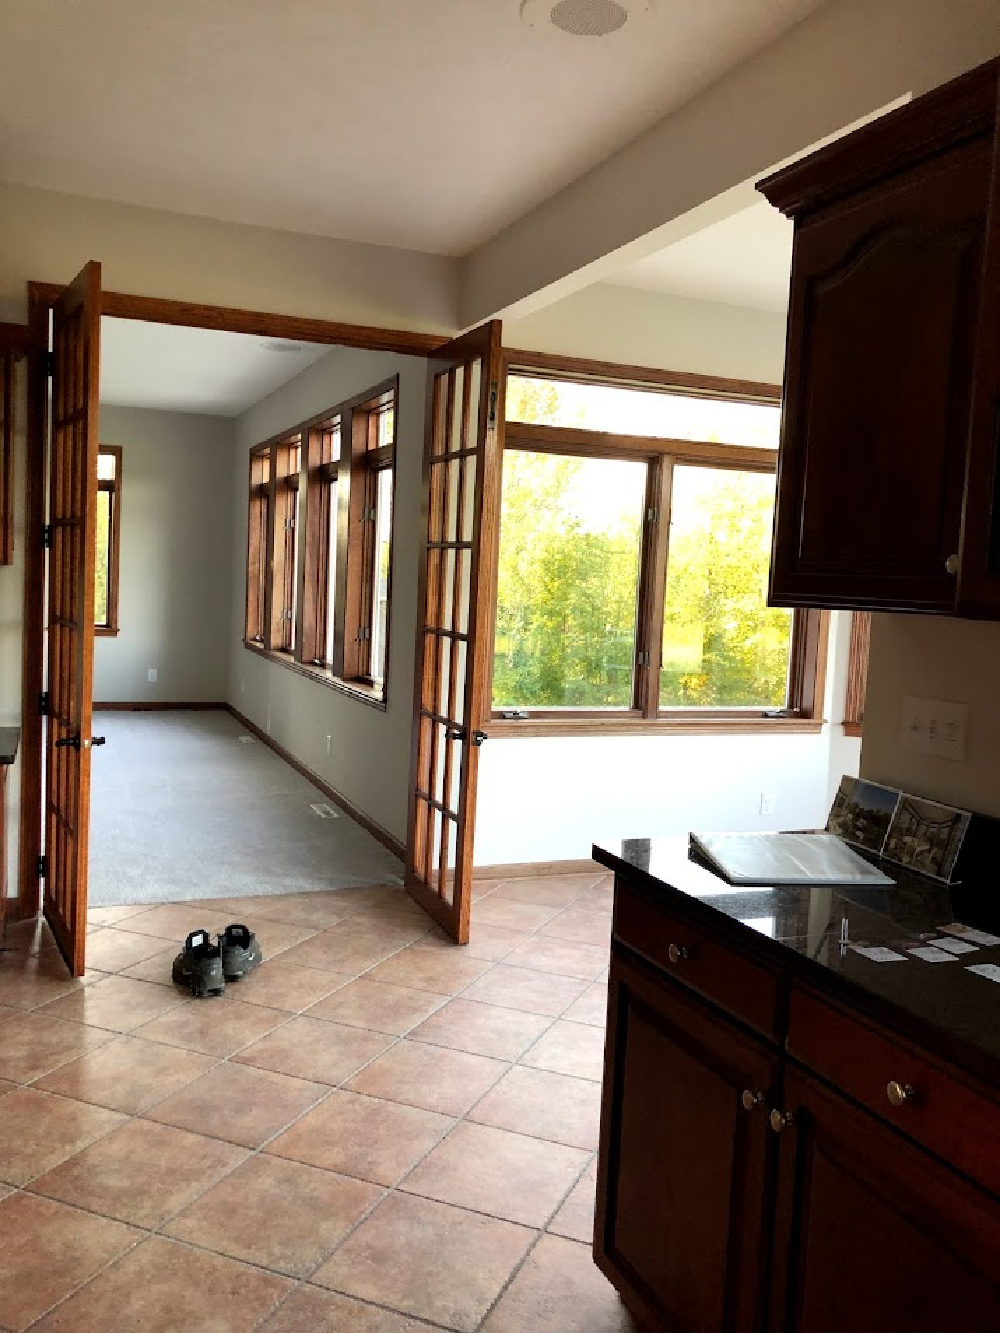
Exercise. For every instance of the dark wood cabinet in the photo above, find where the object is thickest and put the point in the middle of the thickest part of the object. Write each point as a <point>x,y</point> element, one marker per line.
<point>871,1233</point>
<point>887,468</point>
<point>684,1159</point>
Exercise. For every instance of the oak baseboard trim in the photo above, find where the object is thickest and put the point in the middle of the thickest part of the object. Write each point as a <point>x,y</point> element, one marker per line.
<point>158,707</point>
<point>533,869</point>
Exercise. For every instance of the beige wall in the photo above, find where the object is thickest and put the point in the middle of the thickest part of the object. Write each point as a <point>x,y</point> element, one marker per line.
<point>608,323</point>
<point>935,657</point>
<point>11,622</point>
<point>49,237</point>
<point>370,749</point>
<point>176,573</point>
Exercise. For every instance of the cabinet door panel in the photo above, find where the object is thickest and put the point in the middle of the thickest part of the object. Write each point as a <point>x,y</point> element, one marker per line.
<point>885,294</point>
<point>872,1233</point>
<point>683,1165</point>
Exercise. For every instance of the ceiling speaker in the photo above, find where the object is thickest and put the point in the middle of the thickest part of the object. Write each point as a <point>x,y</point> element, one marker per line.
<point>583,18</point>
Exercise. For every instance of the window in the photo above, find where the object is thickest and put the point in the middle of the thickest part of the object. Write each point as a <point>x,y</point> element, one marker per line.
<point>635,537</point>
<point>329,485</point>
<point>108,538</point>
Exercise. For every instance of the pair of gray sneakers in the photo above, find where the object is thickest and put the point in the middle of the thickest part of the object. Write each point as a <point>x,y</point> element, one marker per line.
<point>204,965</point>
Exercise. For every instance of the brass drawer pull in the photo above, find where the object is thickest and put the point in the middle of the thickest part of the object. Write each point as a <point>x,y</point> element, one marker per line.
<point>676,952</point>
<point>751,1100</point>
<point>780,1120</point>
<point>900,1093</point>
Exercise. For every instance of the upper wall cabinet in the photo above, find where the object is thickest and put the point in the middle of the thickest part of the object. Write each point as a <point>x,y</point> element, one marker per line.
<point>888,489</point>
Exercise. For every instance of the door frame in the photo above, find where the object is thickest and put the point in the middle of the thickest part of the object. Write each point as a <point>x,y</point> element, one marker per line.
<point>153,309</point>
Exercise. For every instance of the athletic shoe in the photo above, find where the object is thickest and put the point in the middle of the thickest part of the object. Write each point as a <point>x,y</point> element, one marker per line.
<point>240,951</point>
<point>198,966</point>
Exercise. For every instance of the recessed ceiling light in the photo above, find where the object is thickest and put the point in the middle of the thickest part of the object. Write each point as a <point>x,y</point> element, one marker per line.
<point>583,18</point>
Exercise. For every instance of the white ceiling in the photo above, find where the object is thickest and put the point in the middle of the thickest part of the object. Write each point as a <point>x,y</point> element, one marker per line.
<point>427,125</point>
<point>194,370</point>
<point>743,260</point>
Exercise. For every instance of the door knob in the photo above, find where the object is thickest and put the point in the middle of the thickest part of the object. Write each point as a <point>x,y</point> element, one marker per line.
<point>780,1120</point>
<point>676,952</point>
<point>900,1093</point>
<point>952,564</point>
<point>750,1099</point>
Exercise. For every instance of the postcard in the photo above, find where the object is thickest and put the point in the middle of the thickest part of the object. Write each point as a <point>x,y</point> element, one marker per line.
<point>926,836</point>
<point>862,812</point>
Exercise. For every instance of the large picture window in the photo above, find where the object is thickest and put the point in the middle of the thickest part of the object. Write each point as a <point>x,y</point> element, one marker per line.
<point>319,549</point>
<point>108,538</point>
<point>634,551</point>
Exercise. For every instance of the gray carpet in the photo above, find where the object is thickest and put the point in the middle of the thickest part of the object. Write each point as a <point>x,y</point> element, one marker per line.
<point>182,808</point>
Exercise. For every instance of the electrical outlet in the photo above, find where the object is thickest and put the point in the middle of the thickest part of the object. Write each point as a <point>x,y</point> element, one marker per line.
<point>151,675</point>
<point>328,744</point>
<point>767,803</point>
<point>934,727</point>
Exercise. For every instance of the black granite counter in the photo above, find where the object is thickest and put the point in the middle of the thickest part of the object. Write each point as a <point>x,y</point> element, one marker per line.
<point>943,1006</point>
<point>9,739</point>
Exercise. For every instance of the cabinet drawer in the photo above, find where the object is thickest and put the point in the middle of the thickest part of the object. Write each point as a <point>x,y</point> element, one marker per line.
<point>744,988</point>
<point>940,1110</point>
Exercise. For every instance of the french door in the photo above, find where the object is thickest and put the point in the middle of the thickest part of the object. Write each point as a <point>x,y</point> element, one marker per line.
<point>462,465</point>
<point>70,534</point>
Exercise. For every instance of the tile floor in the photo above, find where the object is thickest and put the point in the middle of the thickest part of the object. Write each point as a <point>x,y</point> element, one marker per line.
<point>375,1132</point>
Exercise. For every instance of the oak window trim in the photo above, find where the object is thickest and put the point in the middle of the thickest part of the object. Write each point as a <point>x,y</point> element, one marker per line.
<point>110,627</point>
<point>857,672</point>
<point>346,673</point>
<point>803,711</point>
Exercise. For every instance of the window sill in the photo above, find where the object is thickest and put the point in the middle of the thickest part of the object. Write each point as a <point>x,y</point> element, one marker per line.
<point>588,725</point>
<point>106,631</point>
<point>852,728</point>
<point>355,689</point>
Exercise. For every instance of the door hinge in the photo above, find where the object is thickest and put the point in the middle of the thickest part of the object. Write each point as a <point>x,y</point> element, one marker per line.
<point>652,515</point>
<point>50,363</point>
<point>47,536</point>
<point>286,613</point>
<point>494,395</point>
<point>364,634</point>
<point>42,866</point>
<point>43,704</point>
<point>289,524</point>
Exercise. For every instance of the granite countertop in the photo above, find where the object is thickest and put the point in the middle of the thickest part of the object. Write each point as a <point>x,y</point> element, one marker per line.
<point>9,738</point>
<point>943,1005</point>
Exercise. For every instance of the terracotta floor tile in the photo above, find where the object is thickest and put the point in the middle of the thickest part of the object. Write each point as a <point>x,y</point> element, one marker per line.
<point>443,971</point>
<point>559,1290</point>
<point>583,927</point>
<point>344,954</point>
<point>512,914</point>
<point>165,1287</point>
<point>37,1131</point>
<point>116,1003</point>
<point>428,1259</point>
<point>591,1007</point>
<point>524,988</point>
<point>575,1219</point>
<point>551,890</point>
<point>489,942</point>
<point>168,921</point>
<point>6,1087</point>
<point>31,1045</point>
<point>564,958</point>
<point>278,1214</point>
<point>597,899</point>
<point>314,910</point>
<point>28,937</point>
<point>156,969</point>
<point>213,1027</point>
<point>314,1049</point>
<point>362,1137</point>
<point>569,1048</point>
<point>48,1250</point>
<point>27,982</point>
<point>127,1075</point>
<point>547,1106</point>
<point>367,1003</point>
<point>274,937</point>
<point>497,1172</point>
<point>281,985</point>
<point>482,1029</point>
<point>431,1077</point>
<point>113,916</point>
<point>238,1103</point>
<point>312,1310</point>
<point>114,949</point>
<point>142,1173</point>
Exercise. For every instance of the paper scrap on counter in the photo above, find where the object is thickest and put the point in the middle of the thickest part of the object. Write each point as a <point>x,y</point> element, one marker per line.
<point>954,946</point>
<point>988,970</point>
<point>878,953</point>
<point>973,936</point>
<point>930,954</point>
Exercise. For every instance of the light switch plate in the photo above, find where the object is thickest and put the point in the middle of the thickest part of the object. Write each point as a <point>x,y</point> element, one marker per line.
<point>934,727</point>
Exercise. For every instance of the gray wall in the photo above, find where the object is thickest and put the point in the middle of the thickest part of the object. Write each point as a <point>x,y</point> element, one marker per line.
<point>369,749</point>
<point>176,568</point>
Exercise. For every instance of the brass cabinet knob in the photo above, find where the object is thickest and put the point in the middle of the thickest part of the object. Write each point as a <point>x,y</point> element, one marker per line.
<point>952,564</point>
<point>780,1120</point>
<point>676,952</point>
<point>751,1100</point>
<point>900,1093</point>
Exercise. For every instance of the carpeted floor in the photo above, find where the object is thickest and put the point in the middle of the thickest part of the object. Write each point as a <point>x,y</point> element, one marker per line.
<point>182,807</point>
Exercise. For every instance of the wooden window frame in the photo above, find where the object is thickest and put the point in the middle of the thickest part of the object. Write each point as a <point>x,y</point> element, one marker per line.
<point>110,628</point>
<point>857,672</point>
<point>258,581</point>
<point>803,709</point>
<point>304,497</point>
